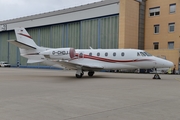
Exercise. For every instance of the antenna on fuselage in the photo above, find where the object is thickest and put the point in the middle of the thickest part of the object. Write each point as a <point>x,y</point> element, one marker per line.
<point>90,47</point>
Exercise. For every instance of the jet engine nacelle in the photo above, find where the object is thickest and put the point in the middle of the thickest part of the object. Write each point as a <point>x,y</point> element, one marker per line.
<point>59,53</point>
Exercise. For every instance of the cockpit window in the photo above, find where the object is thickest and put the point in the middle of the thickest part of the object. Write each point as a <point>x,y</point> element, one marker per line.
<point>138,54</point>
<point>147,54</point>
<point>142,54</point>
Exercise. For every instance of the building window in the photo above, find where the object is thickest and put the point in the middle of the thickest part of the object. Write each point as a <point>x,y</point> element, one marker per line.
<point>154,11</point>
<point>172,8</point>
<point>170,45</point>
<point>156,29</point>
<point>171,27</point>
<point>156,45</point>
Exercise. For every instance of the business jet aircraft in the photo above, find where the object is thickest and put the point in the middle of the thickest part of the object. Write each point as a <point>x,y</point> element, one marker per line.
<point>90,60</point>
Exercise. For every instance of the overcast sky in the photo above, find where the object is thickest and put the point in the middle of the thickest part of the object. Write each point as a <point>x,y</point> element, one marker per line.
<point>10,9</point>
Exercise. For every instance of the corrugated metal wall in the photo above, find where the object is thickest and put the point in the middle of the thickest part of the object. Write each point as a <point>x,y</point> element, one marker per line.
<point>89,33</point>
<point>4,46</point>
<point>13,50</point>
<point>97,33</point>
<point>109,32</point>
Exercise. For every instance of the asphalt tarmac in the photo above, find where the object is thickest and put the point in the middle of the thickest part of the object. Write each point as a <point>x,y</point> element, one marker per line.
<point>36,94</point>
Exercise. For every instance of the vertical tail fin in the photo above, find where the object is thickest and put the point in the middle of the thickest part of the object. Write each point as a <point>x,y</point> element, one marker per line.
<point>27,46</point>
<point>24,40</point>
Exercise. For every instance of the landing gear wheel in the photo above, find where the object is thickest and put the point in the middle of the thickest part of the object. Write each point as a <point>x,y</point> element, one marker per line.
<point>91,73</point>
<point>156,76</point>
<point>79,76</point>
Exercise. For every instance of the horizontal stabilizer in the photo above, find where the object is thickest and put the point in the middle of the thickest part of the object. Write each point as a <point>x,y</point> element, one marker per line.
<point>21,45</point>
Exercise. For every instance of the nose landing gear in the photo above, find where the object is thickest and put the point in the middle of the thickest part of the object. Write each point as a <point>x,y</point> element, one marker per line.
<point>156,76</point>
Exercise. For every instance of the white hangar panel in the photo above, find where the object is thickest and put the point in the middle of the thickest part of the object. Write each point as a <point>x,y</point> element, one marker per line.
<point>67,15</point>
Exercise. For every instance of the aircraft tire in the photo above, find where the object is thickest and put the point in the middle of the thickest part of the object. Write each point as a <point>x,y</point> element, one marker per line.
<point>156,76</point>
<point>91,73</point>
<point>79,76</point>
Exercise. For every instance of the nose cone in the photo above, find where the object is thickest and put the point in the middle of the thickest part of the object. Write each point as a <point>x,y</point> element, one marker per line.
<point>162,63</point>
<point>169,64</point>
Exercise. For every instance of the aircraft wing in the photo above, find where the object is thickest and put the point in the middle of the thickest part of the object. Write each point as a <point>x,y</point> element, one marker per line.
<point>75,66</point>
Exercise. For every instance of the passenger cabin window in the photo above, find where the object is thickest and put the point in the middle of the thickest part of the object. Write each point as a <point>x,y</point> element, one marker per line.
<point>90,54</point>
<point>98,54</point>
<point>81,55</point>
<point>114,54</point>
<point>122,54</point>
<point>106,54</point>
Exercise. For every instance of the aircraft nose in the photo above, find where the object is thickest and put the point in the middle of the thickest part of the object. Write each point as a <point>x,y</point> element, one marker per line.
<point>162,63</point>
<point>170,64</point>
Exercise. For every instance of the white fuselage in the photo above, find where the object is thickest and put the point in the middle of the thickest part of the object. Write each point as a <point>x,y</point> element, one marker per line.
<point>110,59</point>
<point>86,59</point>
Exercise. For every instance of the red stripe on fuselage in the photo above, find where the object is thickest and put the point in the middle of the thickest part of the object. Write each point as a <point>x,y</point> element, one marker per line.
<point>25,35</point>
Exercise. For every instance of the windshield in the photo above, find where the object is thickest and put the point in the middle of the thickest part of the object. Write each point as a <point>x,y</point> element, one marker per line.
<point>143,54</point>
<point>147,54</point>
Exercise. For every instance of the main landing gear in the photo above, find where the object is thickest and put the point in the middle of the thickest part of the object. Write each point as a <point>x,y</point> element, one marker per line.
<point>91,73</point>
<point>156,76</point>
<point>80,73</point>
<point>79,76</point>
